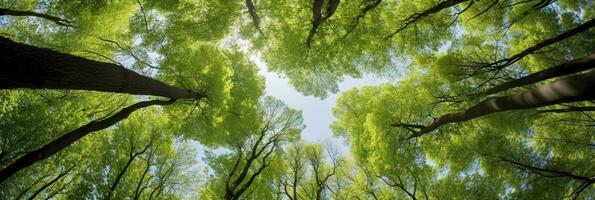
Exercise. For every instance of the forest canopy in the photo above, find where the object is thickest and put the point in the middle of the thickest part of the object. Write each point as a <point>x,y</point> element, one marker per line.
<point>148,99</point>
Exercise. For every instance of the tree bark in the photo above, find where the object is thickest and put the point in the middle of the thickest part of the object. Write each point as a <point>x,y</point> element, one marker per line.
<point>67,139</point>
<point>574,88</point>
<point>571,67</point>
<point>26,66</point>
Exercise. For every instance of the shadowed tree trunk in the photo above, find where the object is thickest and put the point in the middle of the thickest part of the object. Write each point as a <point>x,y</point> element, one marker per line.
<point>574,88</point>
<point>26,66</point>
<point>67,139</point>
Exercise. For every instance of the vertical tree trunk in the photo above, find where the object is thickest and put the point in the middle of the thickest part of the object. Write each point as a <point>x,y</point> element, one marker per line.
<point>26,66</point>
<point>67,139</point>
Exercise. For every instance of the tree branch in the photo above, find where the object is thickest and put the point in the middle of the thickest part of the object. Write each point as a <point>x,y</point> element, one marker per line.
<point>423,14</point>
<point>318,17</point>
<point>571,67</point>
<point>71,137</point>
<point>574,88</point>
<point>18,13</point>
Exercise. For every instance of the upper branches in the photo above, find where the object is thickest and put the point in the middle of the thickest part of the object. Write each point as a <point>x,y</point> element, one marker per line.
<point>19,13</point>
<point>481,68</point>
<point>567,68</point>
<point>361,15</point>
<point>574,88</point>
<point>253,15</point>
<point>423,14</point>
<point>547,172</point>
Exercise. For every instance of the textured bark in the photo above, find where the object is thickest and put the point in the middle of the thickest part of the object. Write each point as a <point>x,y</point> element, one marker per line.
<point>18,13</point>
<point>423,14</point>
<point>67,139</point>
<point>26,66</point>
<point>568,68</point>
<point>574,88</point>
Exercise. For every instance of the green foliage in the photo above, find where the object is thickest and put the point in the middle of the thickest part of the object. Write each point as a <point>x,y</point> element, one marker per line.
<point>441,63</point>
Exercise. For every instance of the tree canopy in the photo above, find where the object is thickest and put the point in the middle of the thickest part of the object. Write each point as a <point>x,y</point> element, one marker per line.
<point>146,99</point>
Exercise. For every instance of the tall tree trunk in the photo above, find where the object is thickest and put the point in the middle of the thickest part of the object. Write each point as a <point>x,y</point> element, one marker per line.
<point>26,66</point>
<point>571,67</point>
<point>574,88</point>
<point>67,139</point>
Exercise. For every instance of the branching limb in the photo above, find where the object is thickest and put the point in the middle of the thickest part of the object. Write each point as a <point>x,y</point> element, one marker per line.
<point>361,15</point>
<point>580,87</point>
<point>568,68</point>
<point>503,63</point>
<point>254,15</point>
<point>423,14</point>
<point>318,17</point>
<point>19,13</point>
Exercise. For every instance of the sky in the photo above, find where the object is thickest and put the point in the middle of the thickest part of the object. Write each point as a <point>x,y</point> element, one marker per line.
<point>317,113</point>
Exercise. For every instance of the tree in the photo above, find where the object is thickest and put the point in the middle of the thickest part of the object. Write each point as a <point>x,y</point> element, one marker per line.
<point>309,172</point>
<point>67,139</point>
<point>486,99</point>
<point>571,89</point>
<point>383,36</point>
<point>57,20</point>
<point>39,68</point>
<point>241,171</point>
